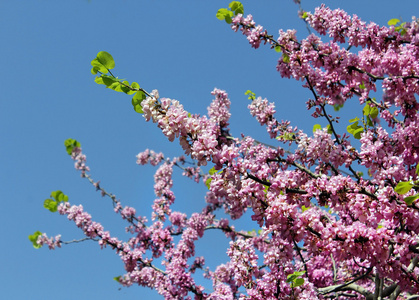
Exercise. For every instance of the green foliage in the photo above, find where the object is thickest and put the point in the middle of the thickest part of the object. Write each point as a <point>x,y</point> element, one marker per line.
<point>278,48</point>
<point>403,187</point>
<point>102,63</point>
<point>304,208</point>
<point>295,279</point>
<point>398,26</point>
<point>337,107</point>
<point>355,129</point>
<point>369,114</point>
<point>410,199</point>
<point>70,144</point>
<point>117,278</point>
<point>57,198</point>
<point>136,101</point>
<point>304,15</point>
<point>393,22</point>
<point>252,96</point>
<point>212,171</point>
<point>287,136</point>
<point>319,127</point>
<point>234,8</point>
<point>34,238</point>
<point>285,58</point>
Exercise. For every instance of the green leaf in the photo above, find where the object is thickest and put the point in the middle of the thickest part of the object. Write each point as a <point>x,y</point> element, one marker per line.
<point>34,238</point>
<point>135,85</point>
<point>393,22</point>
<point>410,199</point>
<point>106,60</point>
<point>304,16</point>
<point>403,187</point>
<point>329,129</point>
<point>278,48</point>
<point>99,80</point>
<point>208,183</point>
<point>417,169</point>
<point>354,120</point>
<point>357,133</point>
<point>316,127</point>
<point>236,7</point>
<point>95,70</point>
<point>126,88</point>
<point>136,101</point>
<point>109,80</point>
<point>303,208</point>
<point>225,14</point>
<point>98,67</point>
<point>287,136</point>
<point>117,278</point>
<point>70,144</point>
<point>369,121</point>
<point>374,112</point>
<point>337,107</point>
<point>297,282</point>
<point>212,171</point>
<point>51,205</point>
<point>252,96</point>
<point>285,58</point>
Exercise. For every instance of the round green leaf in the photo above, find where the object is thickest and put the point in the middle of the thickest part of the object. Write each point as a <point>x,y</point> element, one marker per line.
<point>316,127</point>
<point>410,199</point>
<point>34,238</point>
<point>403,187</point>
<point>106,59</point>
<point>393,22</point>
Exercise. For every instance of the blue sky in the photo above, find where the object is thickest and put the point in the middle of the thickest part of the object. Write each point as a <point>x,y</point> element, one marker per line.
<point>49,95</point>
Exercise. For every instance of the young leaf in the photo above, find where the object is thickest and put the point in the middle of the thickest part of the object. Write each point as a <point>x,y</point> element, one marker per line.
<point>99,80</point>
<point>393,22</point>
<point>410,199</point>
<point>208,183</point>
<point>252,96</point>
<point>417,169</point>
<point>278,48</point>
<point>297,282</point>
<point>316,127</point>
<point>236,7</point>
<point>34,238</point>
<point>70,144</point>
<point>136,101</point>
<point>212,171</point>
<point>106,60</point>
<point>403,187</point>
<point>51,205</point>
<point>224,13</point>
<point>337,107</point>
<point>135,85</point>
<point>98,67</point>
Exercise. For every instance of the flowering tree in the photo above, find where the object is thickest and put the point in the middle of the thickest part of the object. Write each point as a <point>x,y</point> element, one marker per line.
<point>327,230</point>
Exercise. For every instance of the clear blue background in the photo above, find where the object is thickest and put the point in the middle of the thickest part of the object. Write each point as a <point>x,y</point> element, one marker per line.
<point>48,95</point>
